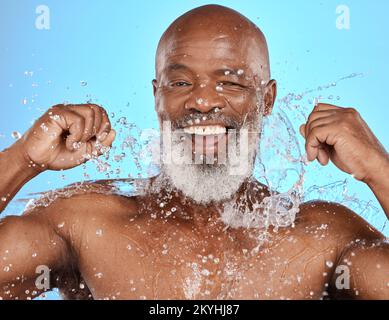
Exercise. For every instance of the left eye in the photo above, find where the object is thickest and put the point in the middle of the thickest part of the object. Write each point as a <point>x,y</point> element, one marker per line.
<point>229,83</point>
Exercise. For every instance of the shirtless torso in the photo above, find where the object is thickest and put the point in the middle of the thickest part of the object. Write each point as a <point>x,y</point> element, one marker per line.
<point>114,247</point>
<point>212,76</point>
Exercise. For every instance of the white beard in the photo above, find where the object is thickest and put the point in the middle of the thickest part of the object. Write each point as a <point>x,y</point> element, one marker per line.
<point>206,183</point>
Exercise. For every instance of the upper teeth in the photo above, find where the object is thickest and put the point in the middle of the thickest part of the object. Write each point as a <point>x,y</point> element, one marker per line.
<point>205,130</point>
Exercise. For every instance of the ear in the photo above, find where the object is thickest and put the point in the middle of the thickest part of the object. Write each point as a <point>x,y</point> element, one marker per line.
<point>270,96</point>
<point>154,87</point>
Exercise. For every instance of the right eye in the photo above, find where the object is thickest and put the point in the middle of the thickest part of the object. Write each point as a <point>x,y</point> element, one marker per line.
<point>180,84</point>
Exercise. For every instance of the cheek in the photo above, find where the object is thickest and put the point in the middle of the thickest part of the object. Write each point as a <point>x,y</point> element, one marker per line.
<point>170,105</point>
<point>245,102</point>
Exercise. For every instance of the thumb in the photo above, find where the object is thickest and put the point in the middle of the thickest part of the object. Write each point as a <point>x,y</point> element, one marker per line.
<point>302,130</point>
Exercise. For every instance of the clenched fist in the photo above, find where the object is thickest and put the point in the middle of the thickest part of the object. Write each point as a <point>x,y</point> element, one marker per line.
<point>342,136</point>
<point>67,136</point>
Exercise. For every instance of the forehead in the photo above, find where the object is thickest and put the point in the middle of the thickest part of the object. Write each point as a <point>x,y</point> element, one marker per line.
<point>215,51</point>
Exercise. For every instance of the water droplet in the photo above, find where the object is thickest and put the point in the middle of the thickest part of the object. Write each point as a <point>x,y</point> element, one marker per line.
<point>83,83</point>
<point>44,127</point>
<point>99,232</point>
<point>16,135</point>
<point>329,264</point>
<point>55,117</point>
<point>77,145</point>
<point>205,272</point>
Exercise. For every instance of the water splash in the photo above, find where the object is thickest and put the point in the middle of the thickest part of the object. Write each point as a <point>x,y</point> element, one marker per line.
<point>281,166</point>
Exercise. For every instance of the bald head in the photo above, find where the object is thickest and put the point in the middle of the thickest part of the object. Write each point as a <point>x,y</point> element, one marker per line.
<point>218,28</point>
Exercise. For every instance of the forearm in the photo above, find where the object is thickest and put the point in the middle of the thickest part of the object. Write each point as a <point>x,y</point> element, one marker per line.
<point>379,184</point>
<point>15,172</point>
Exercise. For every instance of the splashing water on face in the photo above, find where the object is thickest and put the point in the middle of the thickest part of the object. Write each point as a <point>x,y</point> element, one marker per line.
<point>280,166</point>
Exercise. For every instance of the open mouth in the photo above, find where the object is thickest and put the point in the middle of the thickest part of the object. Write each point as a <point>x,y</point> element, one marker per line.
<point>207,140</point>
<point>210,130</point>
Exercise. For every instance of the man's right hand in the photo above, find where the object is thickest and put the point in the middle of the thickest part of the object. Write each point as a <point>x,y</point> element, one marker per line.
<point>66,136</point>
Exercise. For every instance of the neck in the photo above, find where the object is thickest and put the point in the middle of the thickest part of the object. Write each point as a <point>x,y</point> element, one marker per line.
<point>205,218</point>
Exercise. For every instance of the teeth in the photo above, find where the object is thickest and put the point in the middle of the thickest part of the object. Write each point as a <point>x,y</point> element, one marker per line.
<point>205,130</point>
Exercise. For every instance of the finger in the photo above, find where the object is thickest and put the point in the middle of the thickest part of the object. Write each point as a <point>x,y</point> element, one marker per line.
<point>75,124</point>
<point>315,115</point>
<point>321,114</point>
<point>323,155</point>
<point>107,142</point>
<point>86,152</point>
<point>325,106</point>
<point>319,121</point>
<point>302,130</point>
<point>312,117</point>
<point>98,118</point>
<point>89,117</point>
<point>314,139</point>
<point>105,125</point>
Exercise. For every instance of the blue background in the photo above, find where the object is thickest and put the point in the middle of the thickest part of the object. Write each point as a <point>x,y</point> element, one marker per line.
<point>111,45</point>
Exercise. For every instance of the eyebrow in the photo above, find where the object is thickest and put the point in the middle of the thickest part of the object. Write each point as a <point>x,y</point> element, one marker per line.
<point>221,72</point>
<point>176,66</point>
<point>225,72</point>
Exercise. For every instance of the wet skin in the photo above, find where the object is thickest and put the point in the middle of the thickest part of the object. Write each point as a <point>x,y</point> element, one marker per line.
<point>125,248</point>
<point>120,248</point>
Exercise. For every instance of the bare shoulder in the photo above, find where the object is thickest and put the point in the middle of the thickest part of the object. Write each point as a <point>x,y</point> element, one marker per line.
<point>337,223</point>
<point>78,203</point>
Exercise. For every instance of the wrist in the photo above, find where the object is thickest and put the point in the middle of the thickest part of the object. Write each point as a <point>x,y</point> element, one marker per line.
<point>19,158</point>
<point>379,173</point>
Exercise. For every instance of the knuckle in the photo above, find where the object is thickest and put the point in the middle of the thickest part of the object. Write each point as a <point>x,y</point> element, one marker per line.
<point>57,108</point>
<point>317,106</point>
<point>104,113</point>
<point>89,111</point>
<point>92,105</point>
<point>78,121</point>
<point>352,111</point>
<point>316,131</point>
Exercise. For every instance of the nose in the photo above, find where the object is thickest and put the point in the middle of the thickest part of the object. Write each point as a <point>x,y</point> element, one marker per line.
<point>205,98</point>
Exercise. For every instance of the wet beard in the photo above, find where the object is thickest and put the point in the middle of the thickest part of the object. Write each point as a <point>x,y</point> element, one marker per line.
<point>204,183</point>
<point>207,183</point>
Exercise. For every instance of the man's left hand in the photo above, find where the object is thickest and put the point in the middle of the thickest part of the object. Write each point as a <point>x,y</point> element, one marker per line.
<point>342,136</point>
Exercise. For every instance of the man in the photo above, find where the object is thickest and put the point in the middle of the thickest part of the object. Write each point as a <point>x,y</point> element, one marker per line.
<point>170,241</point>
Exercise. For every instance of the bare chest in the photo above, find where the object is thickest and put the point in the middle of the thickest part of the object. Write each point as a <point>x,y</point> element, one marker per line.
<point>179,265</point>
